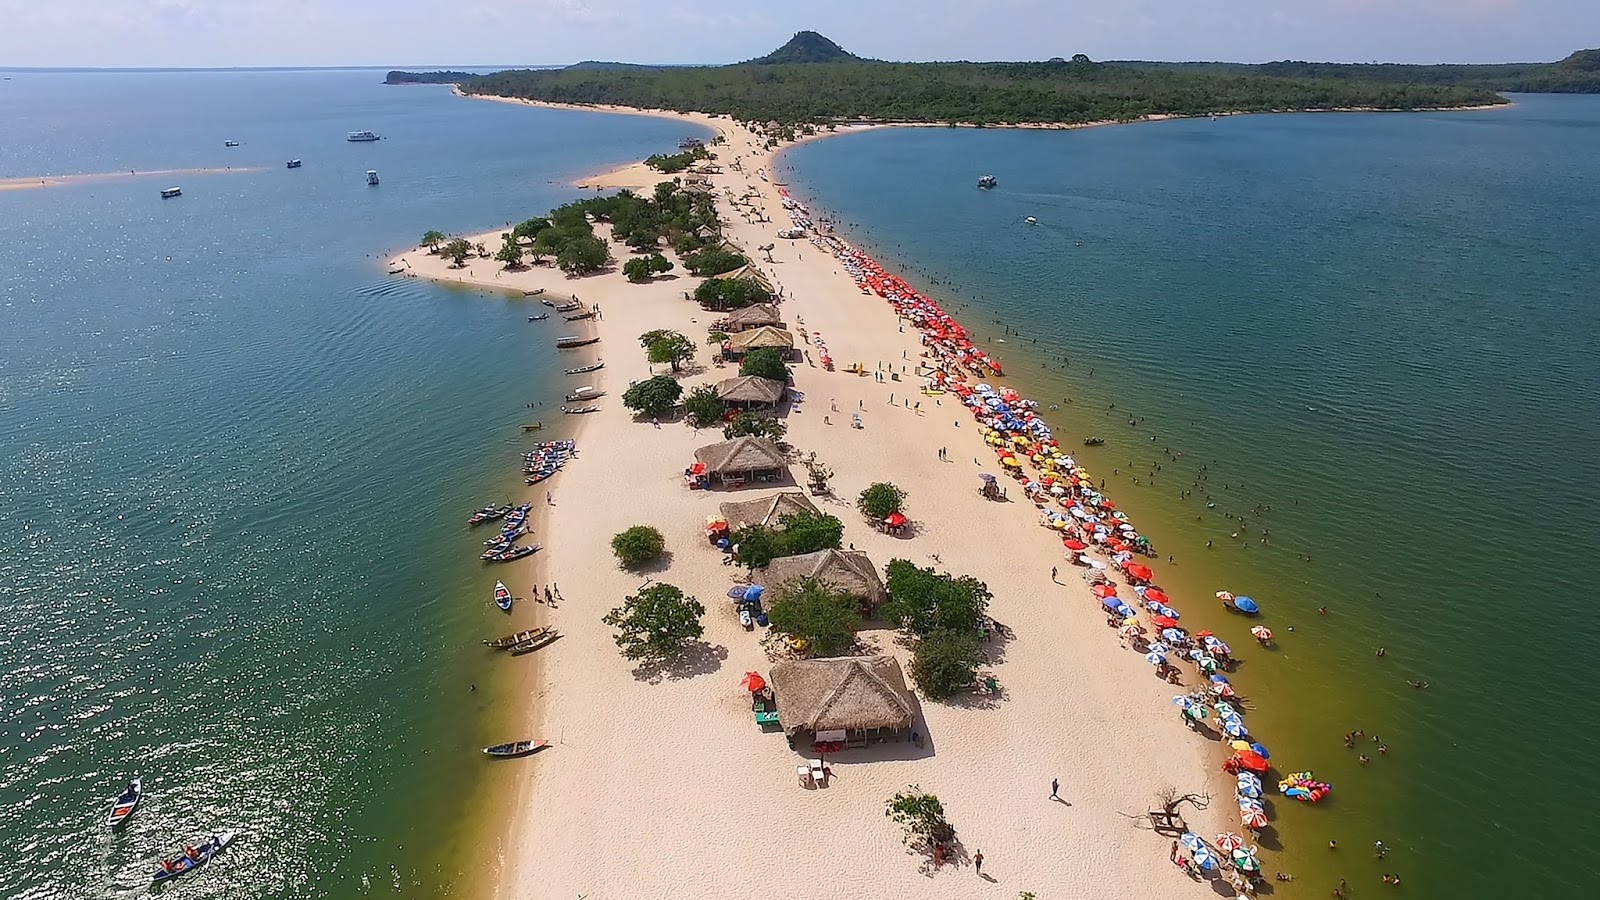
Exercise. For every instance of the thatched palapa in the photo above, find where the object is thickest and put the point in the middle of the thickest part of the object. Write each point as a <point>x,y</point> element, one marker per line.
<point>750,272</point>
<point>863,697</point>
<point>764,337</point>
<point>751,317</point>
<point>849,571</point>
<point>751,391</point>
<point>767,511</point>
<point>744,457</point>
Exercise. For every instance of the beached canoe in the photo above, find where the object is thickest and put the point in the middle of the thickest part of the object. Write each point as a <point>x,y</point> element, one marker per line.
<point>511,640</point>
<point>184,864</point>
<point>574,341</point>
<point>515,748</point>
<point>502,596</point>
<point>589,368</point>
<point>534,643</point>
<point>122,807</point>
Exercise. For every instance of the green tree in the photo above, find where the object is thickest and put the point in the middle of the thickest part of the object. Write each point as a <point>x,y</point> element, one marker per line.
<point>458,250</point>
<point>656,623</point>
<point>723,294</point>
<point>766,363</point>
<point>531,228</point>
<point>713,261</point>
<point>510,251</point>
<point>825,618</point>
<point>756,545</point>
<point>653,396</point>
<point>583,255</point>
<point>636,270</point>
<point>879,500</point>
<point>662,346</point>
<point>638,545</point>
<point>920,816</point>
<point>808,532</point>
<point>703,408</point>
<point>716,338</point>
<point>754,424</point>
<point>432,240</point>
<point>659,265</point>
<point>922,600</point>
<point>946,662</point>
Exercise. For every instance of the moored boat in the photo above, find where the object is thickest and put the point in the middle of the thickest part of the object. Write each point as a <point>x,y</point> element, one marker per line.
<point>533,293</point>
<point>575,341</point>
<point>502,596</point>
<point>567,307</point>
<point>987,181</point>
<point>579,317</point>
<point>292,164</point>
<point>539,318</point>
<point>511,640</point>
<point>515,748</point>
<point>533,643</point>
<point>123,805</point>
<point>489,513</point>
<point>170,192</point>
<point>575,410</point>
<point>372,176</point>
<point>593,367</point>
<point>192,858</point>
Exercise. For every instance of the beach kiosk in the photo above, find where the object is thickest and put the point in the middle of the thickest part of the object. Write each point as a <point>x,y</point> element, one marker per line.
<point>842,702</point>
<point>742,460</point>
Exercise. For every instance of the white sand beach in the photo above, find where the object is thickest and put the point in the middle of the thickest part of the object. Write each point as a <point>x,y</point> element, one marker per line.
<point>664,787</point>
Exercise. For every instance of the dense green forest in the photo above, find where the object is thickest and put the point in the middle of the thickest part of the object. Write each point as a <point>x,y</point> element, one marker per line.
<point>1577,74</point>
<point>398,77</point>
<point>811,79</point>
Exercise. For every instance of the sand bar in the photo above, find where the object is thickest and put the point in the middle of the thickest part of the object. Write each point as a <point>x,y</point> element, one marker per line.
<point>50,181</point>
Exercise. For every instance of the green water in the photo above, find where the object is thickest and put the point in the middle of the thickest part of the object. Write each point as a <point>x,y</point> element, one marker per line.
<point>1374,336</point>
<point>235,462</point>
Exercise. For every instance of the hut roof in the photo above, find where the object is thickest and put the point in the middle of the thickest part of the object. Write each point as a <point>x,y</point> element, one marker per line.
<point>753,316</point>
<point>751,389</point>
<point>748,271</point>
<point>765,336</point>
<point>846,693</point>
<point>766,510</point>
<point>741,454</point>
<point>843,570</point>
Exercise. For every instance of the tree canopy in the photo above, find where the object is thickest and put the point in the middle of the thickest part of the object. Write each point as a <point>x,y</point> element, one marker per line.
<point>804,532</point>
<point>946,662</point>
<point>806,608</point>
<point>880,499</point>
<point>656,623</point>
<point>922,600</point>
<point>703,408</point>
<point>663,346</point>
<point>765,362</point>
<point>638,545</point>
<point>653,396</point>
<point>723,294</point>
<point>755,424</point>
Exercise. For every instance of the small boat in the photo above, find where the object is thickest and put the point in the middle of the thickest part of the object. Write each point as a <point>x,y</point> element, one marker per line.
<point>574,341</point>
<point>567,307</point>
<point>292,164</point>
<point>184,863</point>
<point>1093,441</point>
<point>579,317</point>
<point>502,596</point>
<point>167,193</point>
<point>230,143</point>
<point>587,392</point>
<point>123,805</point>
<point>488,513</point>
<point>361,136</point>
<point>987,181</point>
<point>533,426</point>
<point>593,367</point>
<point>515,748</point>
<point>533,293</point>
<point>539,318</point>
<point>510,553</point>
<point>506,537</point>
<point>576,410</point>
<point>1031,220</point>
<point>511,640</point>
<point>372,176</point>
<point>547,301</point>
<point>533,643</point>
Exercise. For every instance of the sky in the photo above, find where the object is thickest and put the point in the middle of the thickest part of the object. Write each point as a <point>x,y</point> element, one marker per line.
<point>402,33</point>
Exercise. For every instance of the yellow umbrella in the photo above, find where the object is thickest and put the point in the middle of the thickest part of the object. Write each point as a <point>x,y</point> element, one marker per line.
<point>1240,745</point>
<point>1011,461</point>
<point>1038,457</point>
<point>1058,524</point>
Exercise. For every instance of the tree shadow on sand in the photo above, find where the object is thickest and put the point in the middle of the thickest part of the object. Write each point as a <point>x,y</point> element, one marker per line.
<point>697,658</point>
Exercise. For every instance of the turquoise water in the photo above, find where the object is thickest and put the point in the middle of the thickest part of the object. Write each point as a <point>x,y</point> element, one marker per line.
<point>1378,334</point>
<point>235,458</point>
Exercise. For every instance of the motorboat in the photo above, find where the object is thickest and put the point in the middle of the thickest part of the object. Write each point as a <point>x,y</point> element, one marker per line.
<point>167,193</point>
<point>192,858</point>
<point>502,596</point>
<point>230,143</point>
<point>292,164</point>
<point>575,341</point>
<point>372,176</point>
<point>1093,441</point>
<point>539,318</point>
<point>123,805</point>
<point>515,749</point>
<point>1031,220</point>
<point>987,181</point>
<point>593,367</point>
<point>488,513</point>
<point>577,410</point>
<point>362,137</point>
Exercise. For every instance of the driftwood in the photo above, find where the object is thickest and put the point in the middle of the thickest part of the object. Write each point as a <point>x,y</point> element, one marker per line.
<point>1168,820</point>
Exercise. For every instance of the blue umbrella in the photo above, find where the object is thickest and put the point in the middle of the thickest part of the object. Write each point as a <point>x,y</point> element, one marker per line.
<point>1154,659</point>
<point>1202,858</point>
<point>753,592</point>
<point>1234,728</point>
<point>1157,647</point>
<point>1261,751</point>
<point>1183,701</point>
<point>1173,635</point>
<point>1191,841</point>
<point>1110,602</point>
<point>737,592</point>
<point>1219,679</point>
<point>1245,605</point>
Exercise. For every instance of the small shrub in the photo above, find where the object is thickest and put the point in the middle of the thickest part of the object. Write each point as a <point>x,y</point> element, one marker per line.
<point>638,545</point>
<point>824,617</point>
<point>879,500</point>
<point>656,623</point>
<point>946,662</point>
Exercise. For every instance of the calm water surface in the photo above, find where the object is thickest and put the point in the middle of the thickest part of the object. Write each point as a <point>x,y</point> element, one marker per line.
<point>235,457</point>
<point>1376,338</point>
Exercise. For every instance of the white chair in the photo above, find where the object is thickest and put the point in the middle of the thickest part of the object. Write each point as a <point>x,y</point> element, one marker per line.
<point>818,774</point>
<point>804,774</point>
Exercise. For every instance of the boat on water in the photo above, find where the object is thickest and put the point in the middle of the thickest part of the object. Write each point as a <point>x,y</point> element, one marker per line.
<point>123,804</point>
<point>1093,441</point>
<point>587,392</point>
<point>593,367</point>
<point>579,317</point>
<point>510,553</point>
<point>515,748</point>
<point>576,410</point>
<point>511,640</point>
<point>532,426</point>
<point>539,318</point>
<point>567,307</point>
<point>362,137</point>
<point>502,596</point>
<point>1031,220</point>
<point>507,536</point>
<point>575,341</point>
<point>987,181</point>
<point>170,192</point>
<point>533,293</point>
<point>230,143</point>
<point>372,176</point>
<point>192,858</point>
<point>292,164</point>
<point>489,513</point>
<point>533,643</point>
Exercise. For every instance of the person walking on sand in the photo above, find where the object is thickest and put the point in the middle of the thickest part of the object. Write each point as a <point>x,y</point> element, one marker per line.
<point>1054,571</point>
<point>1055,788</point>
<point>977,862</point>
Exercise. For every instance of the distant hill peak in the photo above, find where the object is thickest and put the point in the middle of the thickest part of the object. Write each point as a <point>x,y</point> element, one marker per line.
<point>806,47</point>
<point>1582,61</point>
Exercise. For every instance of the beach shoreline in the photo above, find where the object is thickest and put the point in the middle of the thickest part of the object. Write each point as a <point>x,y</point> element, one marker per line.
<point>584,669</point>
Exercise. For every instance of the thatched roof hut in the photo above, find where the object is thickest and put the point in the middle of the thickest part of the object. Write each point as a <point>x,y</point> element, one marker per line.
<point>768,511</point>
<point>751,272</point>
<point>855,699</point>
<point>751,391</point>
<point>849,571</point>
<point>751,317</point>
<point>743,458</point>
<point>765,336</point>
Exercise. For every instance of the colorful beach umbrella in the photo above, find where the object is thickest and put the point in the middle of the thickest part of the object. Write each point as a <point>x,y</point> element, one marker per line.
<point>1156,595</point>
<point>1074,544</point>
<point>752,682</point>
<point>1140,572</point>
<point>1104,590</point>
<point>1164,621</point>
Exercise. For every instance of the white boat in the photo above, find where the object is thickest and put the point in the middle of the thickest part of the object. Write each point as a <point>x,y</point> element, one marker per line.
<point>372,176</point>
<point>292,164</point>
<point>230,143</point>
<point>1031,220</point>
<point>171,192</point>
<point>987,181</point>
<point>360,136</point>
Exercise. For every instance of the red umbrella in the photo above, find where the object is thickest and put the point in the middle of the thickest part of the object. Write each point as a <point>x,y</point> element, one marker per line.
<point>1142,573</point>
<point>894,520</point>
<point>1155,595</point>
<point>1165,622</point>
<point>753,682</point>
<point>1251,761</point>
<point>1200,634</point>
<point>1104,590</point>
<point>1074,544</point>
